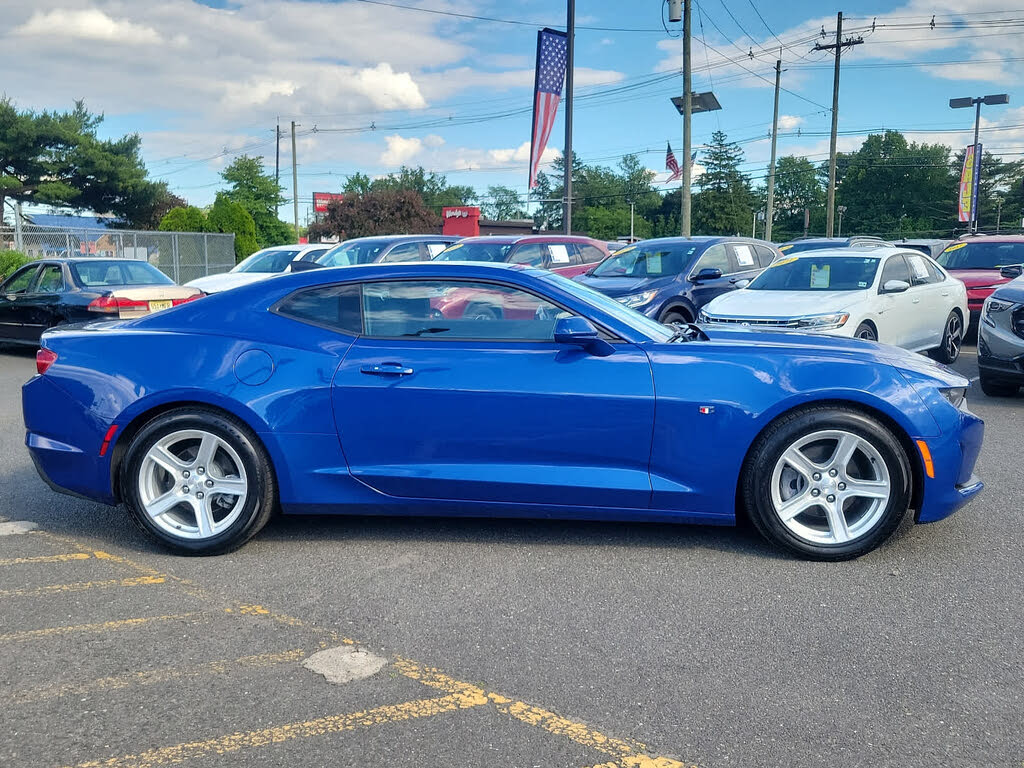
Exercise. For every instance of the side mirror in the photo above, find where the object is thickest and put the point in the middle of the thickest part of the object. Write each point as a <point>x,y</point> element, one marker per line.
<point>579,332</point>
<point>895,286</point>
<point>708,273</point>
<point>1012,272</point>
<point>742,283</point>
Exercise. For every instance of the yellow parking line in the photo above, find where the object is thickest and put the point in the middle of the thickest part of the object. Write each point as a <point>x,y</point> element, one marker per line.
<point>643,761</point>
<point>81,586</point>
<point>319,727</point>
<point>105,626</point>
<point>151,677</point>
<point>46,559</point>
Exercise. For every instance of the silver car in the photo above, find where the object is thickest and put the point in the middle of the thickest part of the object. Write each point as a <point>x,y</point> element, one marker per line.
<point>1001,338</point>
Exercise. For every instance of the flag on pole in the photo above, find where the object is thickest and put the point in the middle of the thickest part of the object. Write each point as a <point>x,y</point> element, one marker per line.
<point>969,176</point>
<point>672,165</point>
<point>547,92</point>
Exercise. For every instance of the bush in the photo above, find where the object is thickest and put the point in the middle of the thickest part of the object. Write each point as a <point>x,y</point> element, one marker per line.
<point>228,216</point>
<point>187,219</point>
<point>10,261</point>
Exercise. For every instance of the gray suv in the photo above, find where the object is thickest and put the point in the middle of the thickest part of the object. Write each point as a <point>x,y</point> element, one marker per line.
<point>1001,338</point>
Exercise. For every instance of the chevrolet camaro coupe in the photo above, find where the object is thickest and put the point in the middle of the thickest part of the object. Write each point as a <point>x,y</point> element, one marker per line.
<point>345,391</point>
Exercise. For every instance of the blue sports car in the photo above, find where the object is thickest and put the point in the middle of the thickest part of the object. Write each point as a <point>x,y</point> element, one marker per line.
<point>350,390</point>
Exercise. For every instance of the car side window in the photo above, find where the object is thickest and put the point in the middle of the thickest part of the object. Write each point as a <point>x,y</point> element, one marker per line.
<point>895,269</point>
<point>765,255</point>
<point>934,272</point>
<point>435,248</point>
<point>50,280</point>
<point>715,257</point>
<point>441,310</point>
<point>744,256</point>
<point>561,254</point>
<point>331,306</point>
<point>403,252</point>
<point>591,254</point>
<point>20,280</point>
<point>313,255</point>
<point>919,270</point>
<point>529,253</point>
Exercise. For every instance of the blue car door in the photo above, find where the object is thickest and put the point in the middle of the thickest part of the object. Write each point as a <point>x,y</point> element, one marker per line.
<point>441,400</point>
<point>703,290</point>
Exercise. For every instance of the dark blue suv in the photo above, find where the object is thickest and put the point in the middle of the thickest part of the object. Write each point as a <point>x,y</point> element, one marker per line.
<point>670,278</point>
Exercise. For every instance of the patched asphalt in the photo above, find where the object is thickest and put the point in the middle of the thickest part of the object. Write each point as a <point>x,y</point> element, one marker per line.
<point>512,643</point>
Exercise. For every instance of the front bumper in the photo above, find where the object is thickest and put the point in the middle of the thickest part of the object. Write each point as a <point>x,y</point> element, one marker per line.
<point>953,455</point>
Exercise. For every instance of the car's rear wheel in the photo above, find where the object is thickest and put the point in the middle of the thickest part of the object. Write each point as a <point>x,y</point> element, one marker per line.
<point>827,483</point>
<point>995,388</point>
<point>675,316</point>
<point>198,481</point>
<point>952,339</point>
<point>867,332</point>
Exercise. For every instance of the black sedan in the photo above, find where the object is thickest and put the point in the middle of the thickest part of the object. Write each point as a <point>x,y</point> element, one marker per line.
<point>52,292</point>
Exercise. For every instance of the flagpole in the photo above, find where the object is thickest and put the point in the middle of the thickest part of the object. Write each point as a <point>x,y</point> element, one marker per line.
<point>570,24</point>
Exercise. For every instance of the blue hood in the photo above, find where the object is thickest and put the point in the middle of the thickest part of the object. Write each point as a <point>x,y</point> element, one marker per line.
<point>623,286</point>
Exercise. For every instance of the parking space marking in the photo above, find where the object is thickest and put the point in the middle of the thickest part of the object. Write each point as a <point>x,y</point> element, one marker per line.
<point>46,559</point>
<point>154,676</point>
<point>81,586</point>
<point>321,726</point>
<point>104,626</point>
<point>643,761</point>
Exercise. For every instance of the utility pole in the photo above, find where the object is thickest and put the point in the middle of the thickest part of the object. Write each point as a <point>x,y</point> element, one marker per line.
<point>277,165</point>
<point>570,25</point>
<point>684,196</point>
<point>295,187</point>
<point>632,204</point>
<point>999,211</point>
<point>838,48</point>
<point>770,207</point>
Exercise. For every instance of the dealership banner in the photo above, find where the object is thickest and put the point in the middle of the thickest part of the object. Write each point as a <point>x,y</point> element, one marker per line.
<point>322,199</point>
<point>969,176</point>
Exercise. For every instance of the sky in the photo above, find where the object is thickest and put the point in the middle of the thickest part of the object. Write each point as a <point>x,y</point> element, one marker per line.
<point>372,86</point>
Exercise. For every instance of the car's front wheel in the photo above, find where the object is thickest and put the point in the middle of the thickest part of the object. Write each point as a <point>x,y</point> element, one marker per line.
<point>197,481</point>
<point>827,483</point>
<point>867,332</point>
<point>952,339</point>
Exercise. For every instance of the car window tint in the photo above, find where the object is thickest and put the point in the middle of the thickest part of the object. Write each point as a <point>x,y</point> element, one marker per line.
<point>934,273</point>
<point>981,255</point>
<point>530,253</point>
<point>267,261</point>
<point>454,309</point>
<point>919,270</point>
<point>895,269</point>
<point>715,257</point>
<point>313,255</point>
<point>20,281</point>
<point>50,280</point>
<point>648,260</point>
<point>333,306</point>
<point>590,254</point>
<point>105,273</point>
<point>744,256</point>
<point>765,255</point>
<point>403,252</point>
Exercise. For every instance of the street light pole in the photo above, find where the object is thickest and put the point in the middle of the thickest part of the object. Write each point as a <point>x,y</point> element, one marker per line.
<point>570,28</point>
<point>961,103</point>
<point>684,196</point>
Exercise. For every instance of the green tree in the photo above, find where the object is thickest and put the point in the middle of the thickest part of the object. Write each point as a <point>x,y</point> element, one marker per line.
<point>57,158</point>
<point>260,194</point>
<point>384,212</point>
<point>153,204</point>
<point>230,217</point>
<point>184,219</point>
<point>503,203</point>
<point>797,188</point>
<point>725,203</point>
<point>432,188</point>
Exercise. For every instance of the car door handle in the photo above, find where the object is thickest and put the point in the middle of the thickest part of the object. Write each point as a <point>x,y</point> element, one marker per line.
<point>945,293</point>
<point>386,369</point>
<point>915,301</point>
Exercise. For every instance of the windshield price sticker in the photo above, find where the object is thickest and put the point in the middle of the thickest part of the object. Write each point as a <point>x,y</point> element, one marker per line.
<point>820,275</point>
<point>653,263</point>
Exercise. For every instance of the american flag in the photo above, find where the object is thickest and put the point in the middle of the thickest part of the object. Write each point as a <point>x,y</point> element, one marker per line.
<point>672,165</point>
<point>547,92</point>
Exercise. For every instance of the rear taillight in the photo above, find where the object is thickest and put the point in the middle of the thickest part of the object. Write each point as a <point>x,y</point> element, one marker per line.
<point>44,359</point>
<point>186,300</point>
<point>114,304</point>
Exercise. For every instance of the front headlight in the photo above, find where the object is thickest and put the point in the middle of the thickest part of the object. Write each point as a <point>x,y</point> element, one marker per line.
<point>702,317</point>
<point>993,305</point>
<point>823,322</point>
<point>957,396</point>
<point>635,300</point>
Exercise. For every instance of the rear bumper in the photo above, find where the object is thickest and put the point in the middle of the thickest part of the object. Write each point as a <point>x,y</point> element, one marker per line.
<point>953,456</point>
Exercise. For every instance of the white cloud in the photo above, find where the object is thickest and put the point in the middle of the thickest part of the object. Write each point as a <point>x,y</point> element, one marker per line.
<point>789,122</point>
<point>89,24</point>
<point>400,149</point>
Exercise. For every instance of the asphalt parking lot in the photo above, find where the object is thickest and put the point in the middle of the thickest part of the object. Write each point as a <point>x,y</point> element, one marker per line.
<point>508,643</point>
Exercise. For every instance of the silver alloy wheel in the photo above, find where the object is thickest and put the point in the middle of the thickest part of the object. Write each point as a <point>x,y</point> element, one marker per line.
<point>954,337</point>
<point>867,334</point>
<point>830,487</point>
<point>192,484</point>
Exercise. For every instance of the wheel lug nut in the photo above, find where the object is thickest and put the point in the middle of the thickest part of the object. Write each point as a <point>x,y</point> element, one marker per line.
<point>184,489</point>
<point>186,474</point>
<point>842,486</point>
<point>832,473</point>
<point>201,470</point>
<point>209,483</point>
<point>815,492</point>
<point>831,498</point>
<point>817,475</point>
<point>199,495</point>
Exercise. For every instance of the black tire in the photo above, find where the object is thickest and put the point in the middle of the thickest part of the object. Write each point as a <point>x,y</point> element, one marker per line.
<point>867,332</point>
<point>261,495</point>
<point>952,340</point>
<point>675,316</point>
<point>995,388</point>
<point>765,454</point>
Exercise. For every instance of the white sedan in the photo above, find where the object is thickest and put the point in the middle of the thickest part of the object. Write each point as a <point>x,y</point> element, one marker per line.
<point>259,266</point>
<point>892,295</point>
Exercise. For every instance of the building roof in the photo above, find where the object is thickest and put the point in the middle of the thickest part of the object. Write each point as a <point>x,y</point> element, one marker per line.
<point>66,221</point>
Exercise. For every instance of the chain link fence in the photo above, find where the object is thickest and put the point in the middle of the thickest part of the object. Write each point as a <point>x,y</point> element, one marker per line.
<point>182,256</point>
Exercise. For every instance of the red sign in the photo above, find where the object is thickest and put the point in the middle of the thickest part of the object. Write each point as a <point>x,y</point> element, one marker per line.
<point>461,220</point>
<point>322,199</point>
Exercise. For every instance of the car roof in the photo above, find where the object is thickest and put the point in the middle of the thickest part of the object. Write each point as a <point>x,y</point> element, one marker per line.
<point>853,252</point>
<point>396,238</point>
<point>529,239</point>
<point>991,239</point>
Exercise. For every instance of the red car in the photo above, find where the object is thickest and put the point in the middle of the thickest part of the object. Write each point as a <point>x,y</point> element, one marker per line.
<point>977,261</point>
<point>568,255</point>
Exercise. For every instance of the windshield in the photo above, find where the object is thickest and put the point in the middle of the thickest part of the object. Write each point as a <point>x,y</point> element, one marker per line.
<point>981,255</point>
<point>650,260</point>
<point>353,252</point>
<point>267,261</point>
<point>481,251</point>
<point>833,273</point>
<point>638,322</point>
<point>124,272</point>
